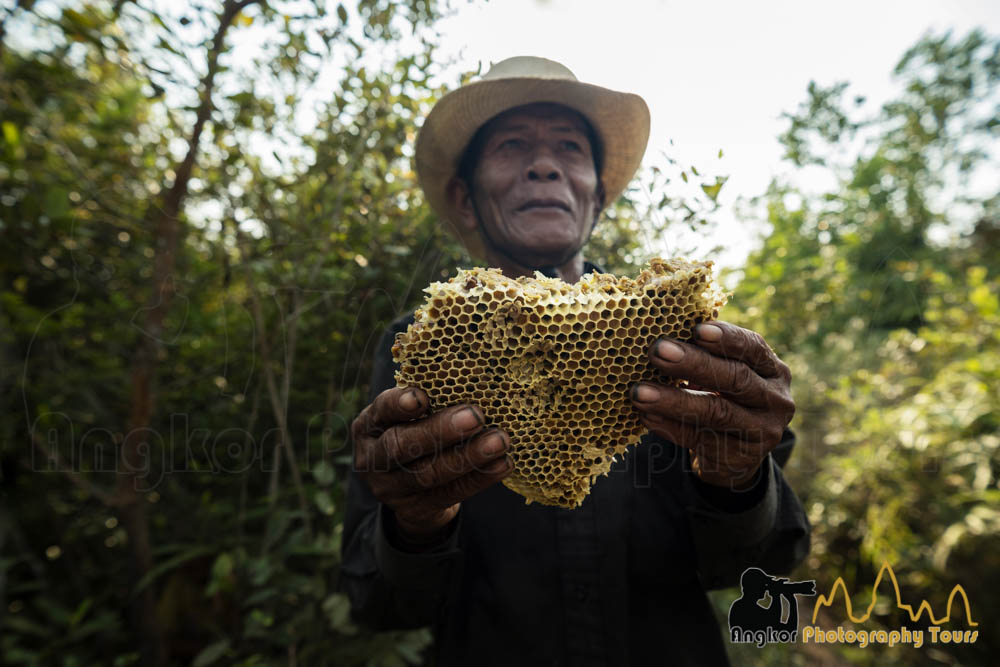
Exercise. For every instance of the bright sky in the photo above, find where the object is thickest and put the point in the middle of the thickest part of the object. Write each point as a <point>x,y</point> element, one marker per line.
<point>714,74</point>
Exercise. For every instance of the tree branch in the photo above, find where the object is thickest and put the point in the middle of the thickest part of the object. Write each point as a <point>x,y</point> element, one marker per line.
<point>279,407</point>
<point>167,231</point>
<point>244,481</point>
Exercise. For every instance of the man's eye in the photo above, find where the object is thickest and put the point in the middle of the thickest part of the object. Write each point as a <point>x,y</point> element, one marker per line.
<point>511,143</point>
<point>571,146</point>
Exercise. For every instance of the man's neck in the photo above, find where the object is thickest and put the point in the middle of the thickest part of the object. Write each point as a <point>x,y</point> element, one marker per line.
<point>568,272</point>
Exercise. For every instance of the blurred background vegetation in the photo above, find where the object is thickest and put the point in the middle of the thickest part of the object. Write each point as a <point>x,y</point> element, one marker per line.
<point>198,255</point>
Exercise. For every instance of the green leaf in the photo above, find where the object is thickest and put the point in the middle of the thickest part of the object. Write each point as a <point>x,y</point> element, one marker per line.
<point>338,611</point>
<point>260,596</point>
<point>342,13</point>
<point>56,203</point>
<point>80,612</point>
<point>261,618</point>
<point>18,655</point>
<point>277,524</point>
<point>18,623</point>
<point>126,659</point>
<point>57,614</point>
<point>222,574</point>
<point>79,21</point>
<point>10,134</point>
<point>324,473</point>
<point>411,644</point>
<point>223,566</point>
<point>106,622</point>
<point>410,653</point>
<point>713,190</point>
<point>211,653</point>
<point>984,300</point>
<point>324,503</point>
<point>169,565</point>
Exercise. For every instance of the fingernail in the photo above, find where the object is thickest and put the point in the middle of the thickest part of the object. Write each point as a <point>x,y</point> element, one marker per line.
<point>409,401</point>
<point>669,351</point>
<point>708,332</point>
<point>465,420</point>
<point>494,444</point>
<point>645,394</point>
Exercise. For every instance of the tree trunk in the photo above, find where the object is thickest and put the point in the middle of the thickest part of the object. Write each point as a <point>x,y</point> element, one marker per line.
<point>167,233</point>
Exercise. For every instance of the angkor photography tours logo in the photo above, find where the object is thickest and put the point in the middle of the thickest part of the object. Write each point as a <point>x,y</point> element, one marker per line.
<point>767,612</point>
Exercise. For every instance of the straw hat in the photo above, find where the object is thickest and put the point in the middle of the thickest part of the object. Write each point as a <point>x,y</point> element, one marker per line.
<point>621,121</point>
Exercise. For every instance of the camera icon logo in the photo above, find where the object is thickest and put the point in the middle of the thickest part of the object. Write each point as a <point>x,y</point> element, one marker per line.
<point>767,611</point>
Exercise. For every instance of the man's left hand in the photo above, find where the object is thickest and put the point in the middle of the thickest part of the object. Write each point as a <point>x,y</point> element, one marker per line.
<point>735,409</point>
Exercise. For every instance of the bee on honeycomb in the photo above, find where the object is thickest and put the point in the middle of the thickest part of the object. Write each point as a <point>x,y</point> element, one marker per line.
<point>552,363</point>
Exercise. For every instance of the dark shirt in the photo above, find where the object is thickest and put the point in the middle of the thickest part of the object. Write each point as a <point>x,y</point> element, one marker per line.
<point>620,580</point>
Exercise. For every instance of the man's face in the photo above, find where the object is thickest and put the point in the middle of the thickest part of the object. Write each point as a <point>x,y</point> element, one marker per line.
<point>534,186</point>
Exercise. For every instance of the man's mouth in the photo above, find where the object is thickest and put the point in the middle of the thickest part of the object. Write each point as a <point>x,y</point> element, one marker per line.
<point>543,204</point>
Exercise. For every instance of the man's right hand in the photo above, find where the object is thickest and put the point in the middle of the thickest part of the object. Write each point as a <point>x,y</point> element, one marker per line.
<point>423,466</point>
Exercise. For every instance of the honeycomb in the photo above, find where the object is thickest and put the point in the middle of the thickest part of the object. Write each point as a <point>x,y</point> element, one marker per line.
<point>551,363</point>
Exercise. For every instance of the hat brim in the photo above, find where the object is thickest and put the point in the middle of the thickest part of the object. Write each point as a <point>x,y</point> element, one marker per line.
<point>621,121</point>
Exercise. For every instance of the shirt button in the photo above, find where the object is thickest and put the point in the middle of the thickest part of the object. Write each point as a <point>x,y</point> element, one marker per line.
<point>581,592</point>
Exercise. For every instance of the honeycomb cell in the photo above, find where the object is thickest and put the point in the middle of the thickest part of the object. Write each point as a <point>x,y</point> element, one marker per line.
<point>551,363</point>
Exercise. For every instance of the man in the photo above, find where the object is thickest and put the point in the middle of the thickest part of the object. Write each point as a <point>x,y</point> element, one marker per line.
<point>521,164</point>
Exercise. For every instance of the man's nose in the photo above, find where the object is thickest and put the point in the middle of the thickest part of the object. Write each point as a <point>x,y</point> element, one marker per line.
<point>542,166</point>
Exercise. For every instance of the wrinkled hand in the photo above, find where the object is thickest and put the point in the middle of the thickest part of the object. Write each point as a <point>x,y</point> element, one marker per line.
<point>731,429</point>
<point>422,467</point>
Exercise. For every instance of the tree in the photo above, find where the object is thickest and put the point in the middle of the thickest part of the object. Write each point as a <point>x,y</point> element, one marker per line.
<point>112,138</point>
<point>905,176</point>
<point>881,295</point>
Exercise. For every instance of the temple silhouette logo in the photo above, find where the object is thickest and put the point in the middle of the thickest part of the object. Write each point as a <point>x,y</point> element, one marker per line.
<point>934,633</point>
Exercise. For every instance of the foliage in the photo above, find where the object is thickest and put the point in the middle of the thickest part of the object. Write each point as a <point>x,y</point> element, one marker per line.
<point>881,294</point>
<point>242,466</point>
<point>904,178</point>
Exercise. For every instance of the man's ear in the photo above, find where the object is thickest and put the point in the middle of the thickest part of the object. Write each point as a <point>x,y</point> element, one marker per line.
<point>460,198</point>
